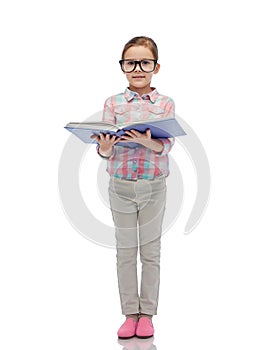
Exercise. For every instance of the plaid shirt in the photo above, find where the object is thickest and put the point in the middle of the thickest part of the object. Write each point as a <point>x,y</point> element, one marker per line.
<point>139,162</point>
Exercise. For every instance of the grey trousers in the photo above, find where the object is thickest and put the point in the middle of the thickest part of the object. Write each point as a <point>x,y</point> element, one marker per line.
<point>138,208</point>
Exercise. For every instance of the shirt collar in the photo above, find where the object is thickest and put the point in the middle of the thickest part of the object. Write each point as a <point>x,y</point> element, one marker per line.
<point>129,94</point>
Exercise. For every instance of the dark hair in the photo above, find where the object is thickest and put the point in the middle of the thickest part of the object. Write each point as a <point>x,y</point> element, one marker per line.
<point>142,41</point>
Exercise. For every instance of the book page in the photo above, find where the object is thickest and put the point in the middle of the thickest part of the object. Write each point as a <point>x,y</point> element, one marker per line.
<point>98,125</point>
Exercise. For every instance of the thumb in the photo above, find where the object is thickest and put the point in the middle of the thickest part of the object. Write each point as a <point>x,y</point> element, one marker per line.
<point>148,133</point>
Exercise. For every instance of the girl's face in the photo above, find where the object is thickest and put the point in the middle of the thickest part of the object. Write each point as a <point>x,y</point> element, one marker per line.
<point>140,81</point>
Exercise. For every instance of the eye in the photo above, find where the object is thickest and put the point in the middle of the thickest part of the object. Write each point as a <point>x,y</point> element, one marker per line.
<point>146,62</point>
<point>130,63</point>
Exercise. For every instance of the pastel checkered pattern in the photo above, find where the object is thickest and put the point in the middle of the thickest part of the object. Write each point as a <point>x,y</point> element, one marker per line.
<point>139,162</point>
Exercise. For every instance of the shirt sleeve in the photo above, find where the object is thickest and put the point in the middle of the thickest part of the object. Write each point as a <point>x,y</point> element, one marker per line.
<point>168,142</point>
<point>108,113</point>
<point>169,109</point>
<point>108,116</point>
<point>167,146</point>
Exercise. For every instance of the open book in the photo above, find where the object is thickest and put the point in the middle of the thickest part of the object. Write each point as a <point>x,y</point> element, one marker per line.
<point>160,128</point>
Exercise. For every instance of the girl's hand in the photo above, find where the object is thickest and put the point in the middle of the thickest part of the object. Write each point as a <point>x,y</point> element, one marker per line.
<point>143,139</point>
<point>106,143</point>
<point>136,136</point>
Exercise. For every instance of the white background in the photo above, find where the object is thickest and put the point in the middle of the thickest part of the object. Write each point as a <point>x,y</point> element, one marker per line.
<point>59,62</point>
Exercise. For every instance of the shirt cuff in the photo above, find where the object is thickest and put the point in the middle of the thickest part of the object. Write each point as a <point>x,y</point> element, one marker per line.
<point>107,158</point>
<point>167,145</point>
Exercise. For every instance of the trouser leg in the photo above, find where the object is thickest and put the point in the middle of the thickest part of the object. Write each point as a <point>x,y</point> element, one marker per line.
<point>124,211</point>
<point>150,217</point>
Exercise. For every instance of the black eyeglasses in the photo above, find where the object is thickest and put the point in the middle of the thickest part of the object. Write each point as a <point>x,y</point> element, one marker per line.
<point>146,65</point>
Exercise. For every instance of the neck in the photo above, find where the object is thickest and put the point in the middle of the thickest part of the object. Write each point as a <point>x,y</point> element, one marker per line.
<point>141,91</point>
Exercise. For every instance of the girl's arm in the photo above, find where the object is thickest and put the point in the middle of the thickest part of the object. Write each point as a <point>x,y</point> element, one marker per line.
<point>105,147</point>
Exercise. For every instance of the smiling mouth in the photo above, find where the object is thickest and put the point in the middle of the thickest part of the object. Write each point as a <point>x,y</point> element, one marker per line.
<point>138,77</point>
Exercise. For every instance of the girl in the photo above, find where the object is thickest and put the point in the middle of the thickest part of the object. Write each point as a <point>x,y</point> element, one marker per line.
<point>137,188</point>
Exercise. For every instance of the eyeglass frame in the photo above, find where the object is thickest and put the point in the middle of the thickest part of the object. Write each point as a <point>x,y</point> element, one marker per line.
<point>139,63</point>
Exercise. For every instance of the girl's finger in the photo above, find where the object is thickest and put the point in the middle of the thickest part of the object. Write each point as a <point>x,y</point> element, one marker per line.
<point>148,133</point>
<point>133,133</point>
<point>116,140</point>
<point>136,133</point>
<point>125,137</point>
<point>130,133</point>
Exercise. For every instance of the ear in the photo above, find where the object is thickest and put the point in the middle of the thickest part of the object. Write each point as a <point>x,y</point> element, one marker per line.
<point>158,66</point>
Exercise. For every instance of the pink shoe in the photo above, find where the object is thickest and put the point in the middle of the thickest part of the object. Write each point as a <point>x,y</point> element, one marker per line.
<point>144,328</point>
<point>127,329</point>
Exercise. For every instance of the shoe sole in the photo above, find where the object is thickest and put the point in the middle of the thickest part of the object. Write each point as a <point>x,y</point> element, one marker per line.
<point>132,336</point>
<point>144,336</point>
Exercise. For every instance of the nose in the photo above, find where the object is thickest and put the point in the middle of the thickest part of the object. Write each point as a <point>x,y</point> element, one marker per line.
<point>137,67</point>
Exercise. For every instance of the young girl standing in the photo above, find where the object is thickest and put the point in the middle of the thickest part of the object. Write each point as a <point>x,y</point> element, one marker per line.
<point>137,187</point>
